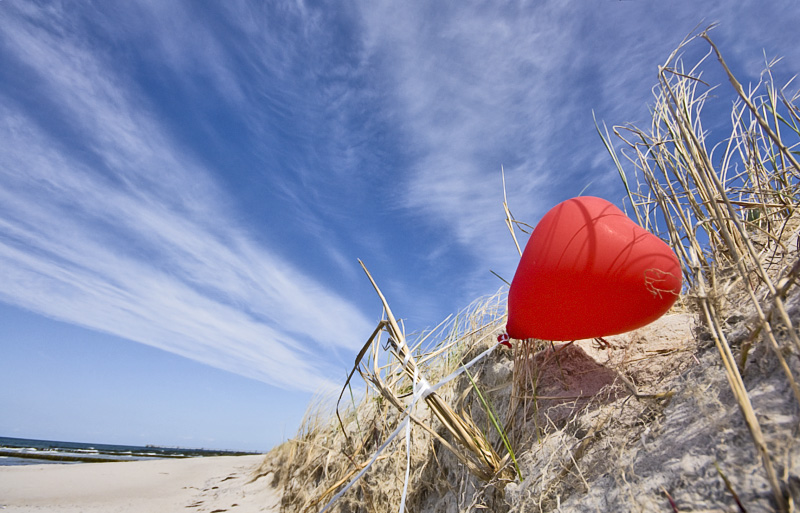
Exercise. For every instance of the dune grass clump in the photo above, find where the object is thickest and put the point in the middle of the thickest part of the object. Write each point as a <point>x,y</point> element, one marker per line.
<point>473,448</point>
<point>731,214</point>
<point>454,433</point>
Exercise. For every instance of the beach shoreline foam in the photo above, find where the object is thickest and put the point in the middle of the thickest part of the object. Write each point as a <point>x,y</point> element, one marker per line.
<point>198,484</point>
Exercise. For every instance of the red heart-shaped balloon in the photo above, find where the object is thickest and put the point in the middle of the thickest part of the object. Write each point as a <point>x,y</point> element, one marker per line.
<point>589,271</point>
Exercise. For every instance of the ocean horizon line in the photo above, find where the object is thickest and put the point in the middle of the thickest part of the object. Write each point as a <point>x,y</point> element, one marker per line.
<point>26,451</point>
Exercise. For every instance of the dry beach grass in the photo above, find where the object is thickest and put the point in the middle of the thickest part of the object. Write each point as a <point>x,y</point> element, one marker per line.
<point>696,412</point>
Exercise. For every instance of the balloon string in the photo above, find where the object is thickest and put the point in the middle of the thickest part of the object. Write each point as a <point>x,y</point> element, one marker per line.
<point>421,390</point>
<point>368,465</point>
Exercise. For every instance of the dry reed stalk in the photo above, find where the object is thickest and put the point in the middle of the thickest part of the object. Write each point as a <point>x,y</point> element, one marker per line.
<point>331,490</point>
<point>729,228</point>
<point>510,221</point>
<point>404,374</point>
<point>524,405</point>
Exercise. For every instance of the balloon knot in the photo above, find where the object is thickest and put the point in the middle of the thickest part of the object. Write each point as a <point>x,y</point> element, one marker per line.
<point>503,339</point>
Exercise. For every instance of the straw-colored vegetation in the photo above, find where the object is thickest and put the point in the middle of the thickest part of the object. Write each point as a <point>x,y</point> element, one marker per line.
<point>446,434</point>
<point>696,412</point>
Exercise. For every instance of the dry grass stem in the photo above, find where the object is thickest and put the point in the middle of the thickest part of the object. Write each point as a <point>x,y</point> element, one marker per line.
<point>475,450</point>
<point>732,225</point>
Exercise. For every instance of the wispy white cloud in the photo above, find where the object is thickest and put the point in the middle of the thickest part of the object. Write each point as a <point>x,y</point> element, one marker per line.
<point>388,125</point>
<point>482,85</point>
<point>479,88</point>
<point>129,235</point>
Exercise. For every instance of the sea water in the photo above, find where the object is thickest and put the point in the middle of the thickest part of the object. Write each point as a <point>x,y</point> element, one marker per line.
<point>23,451</point>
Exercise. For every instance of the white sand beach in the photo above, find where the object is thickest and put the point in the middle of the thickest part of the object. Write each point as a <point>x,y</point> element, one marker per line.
<point>213,484</point>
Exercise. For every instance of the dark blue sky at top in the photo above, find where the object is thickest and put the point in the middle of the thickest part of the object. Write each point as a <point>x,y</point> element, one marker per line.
<point>303,137</point>
<point>200,177</point>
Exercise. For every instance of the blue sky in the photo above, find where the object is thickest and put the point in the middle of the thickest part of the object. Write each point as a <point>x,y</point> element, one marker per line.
<point>185,186</point>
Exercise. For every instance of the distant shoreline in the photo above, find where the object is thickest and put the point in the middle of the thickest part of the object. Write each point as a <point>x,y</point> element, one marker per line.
<point>12,450</point>
<point>72,457</point>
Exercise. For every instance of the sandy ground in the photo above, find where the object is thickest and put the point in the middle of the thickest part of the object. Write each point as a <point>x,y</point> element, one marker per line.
<point>210,485</point>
